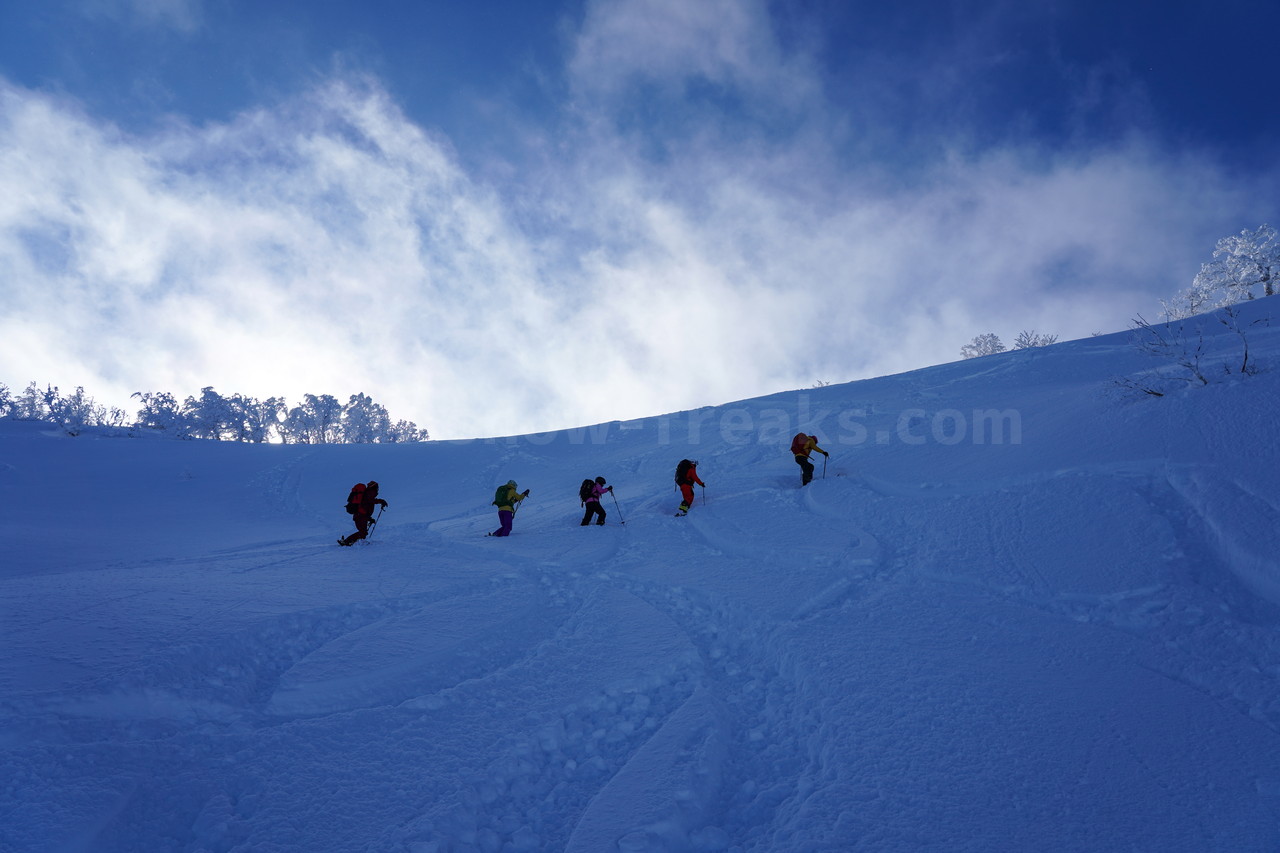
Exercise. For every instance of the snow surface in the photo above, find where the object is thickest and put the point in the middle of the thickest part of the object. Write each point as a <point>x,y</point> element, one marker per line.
<point>1063,641</point>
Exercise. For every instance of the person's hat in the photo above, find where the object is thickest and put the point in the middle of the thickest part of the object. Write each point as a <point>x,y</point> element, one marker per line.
<point>600,480</point>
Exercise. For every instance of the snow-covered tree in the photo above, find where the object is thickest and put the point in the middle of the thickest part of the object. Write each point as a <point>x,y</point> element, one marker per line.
<point>161,411</point>
<point>406,431</point>
<point>210,415</point>
<point>297,428</point>
<point>236,426</point>
<point>51,399</point>
<point>364,421</point>
<point>988,344</point>
<point>262,419</point>
<point>30,404</point>
<point>321,419</point>
<point>1200,298</point>
<point>1027,340</point>
<point>318,420</point>
<point>1244,266</point>
<point>252,420</point>
<point>75,412</point>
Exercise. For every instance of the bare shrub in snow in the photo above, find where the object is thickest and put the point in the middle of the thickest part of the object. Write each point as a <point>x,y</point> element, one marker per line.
<point>1028,340</point>
<point>1182,347</point>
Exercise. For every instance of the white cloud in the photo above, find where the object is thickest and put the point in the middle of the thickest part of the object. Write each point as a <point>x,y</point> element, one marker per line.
<point>312,249</point>
<point>184,16</point>
<point>329,245</point>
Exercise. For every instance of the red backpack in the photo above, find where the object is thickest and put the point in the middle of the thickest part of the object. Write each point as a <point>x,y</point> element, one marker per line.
<point>353,499</point>
<point>799,444</point>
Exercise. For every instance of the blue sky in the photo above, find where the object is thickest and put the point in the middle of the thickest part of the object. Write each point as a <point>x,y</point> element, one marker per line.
<point>604,209</point>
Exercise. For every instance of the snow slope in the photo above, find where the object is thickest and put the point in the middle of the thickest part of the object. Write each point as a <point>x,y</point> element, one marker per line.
<point>1062,640</point>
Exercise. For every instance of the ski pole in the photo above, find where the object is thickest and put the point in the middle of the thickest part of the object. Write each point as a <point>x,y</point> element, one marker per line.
<point>621,520</point>
<point>824,467</point>
<point>373,523</point>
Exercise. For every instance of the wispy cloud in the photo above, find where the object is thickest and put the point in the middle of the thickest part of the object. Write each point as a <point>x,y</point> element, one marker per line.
<point>674,45</point>
<point>327,244</point>
<point>184,16</point>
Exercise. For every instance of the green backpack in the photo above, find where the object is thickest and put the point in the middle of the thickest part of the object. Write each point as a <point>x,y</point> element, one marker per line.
<point>502,496</point>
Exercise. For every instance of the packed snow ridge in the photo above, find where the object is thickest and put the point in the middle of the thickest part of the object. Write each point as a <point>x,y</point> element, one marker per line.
<point>1019,608</point>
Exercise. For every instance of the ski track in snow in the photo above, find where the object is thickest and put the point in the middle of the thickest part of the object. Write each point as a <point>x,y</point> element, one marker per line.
<point>735,695</point>
<point>1196,632</point>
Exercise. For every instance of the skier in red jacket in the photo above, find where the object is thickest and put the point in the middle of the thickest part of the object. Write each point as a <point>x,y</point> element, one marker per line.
<point>360,503</point>
<point>686,476</point>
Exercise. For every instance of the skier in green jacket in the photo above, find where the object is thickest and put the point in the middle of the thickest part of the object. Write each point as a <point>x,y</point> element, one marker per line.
<point>505,499</point>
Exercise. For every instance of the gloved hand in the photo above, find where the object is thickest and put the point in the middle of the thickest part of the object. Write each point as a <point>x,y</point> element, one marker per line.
<point>525,493</point>
<point>610,489</point>
<point>384,503</point>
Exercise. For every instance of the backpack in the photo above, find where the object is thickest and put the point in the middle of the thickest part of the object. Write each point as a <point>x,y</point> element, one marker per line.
<point>500,496</point>
<point>587,490</point>
<point>353,499</point>
<point>682,471</point>
<point>799,443</point>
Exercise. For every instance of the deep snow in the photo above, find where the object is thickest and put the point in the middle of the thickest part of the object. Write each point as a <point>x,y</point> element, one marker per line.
<point>1062,641</point>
